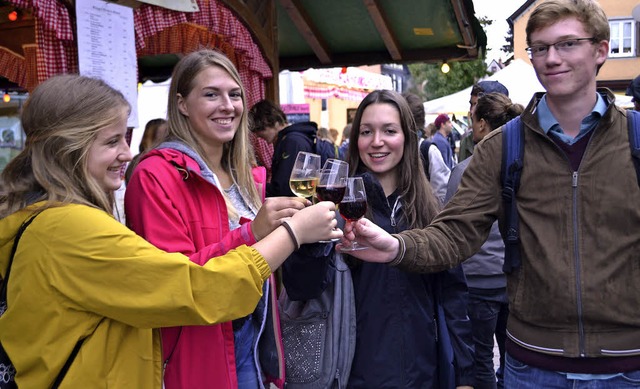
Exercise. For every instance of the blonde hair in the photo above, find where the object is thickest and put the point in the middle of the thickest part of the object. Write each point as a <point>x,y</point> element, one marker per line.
<point>237,156</point>
<point>61,119</point>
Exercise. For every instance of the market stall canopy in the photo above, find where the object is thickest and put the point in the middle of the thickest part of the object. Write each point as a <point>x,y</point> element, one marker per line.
<point>336,33</point>
<point>339,33</point>
<point>290,34</point>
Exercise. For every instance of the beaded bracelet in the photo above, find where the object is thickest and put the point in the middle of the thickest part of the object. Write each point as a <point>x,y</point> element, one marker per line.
<point>292,234</point>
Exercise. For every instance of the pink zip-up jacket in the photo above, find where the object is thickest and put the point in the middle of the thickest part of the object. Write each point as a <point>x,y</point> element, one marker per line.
<point>170,204</point>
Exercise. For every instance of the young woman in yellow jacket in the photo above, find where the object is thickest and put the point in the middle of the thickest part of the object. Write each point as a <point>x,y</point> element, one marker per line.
<point>78,275</point>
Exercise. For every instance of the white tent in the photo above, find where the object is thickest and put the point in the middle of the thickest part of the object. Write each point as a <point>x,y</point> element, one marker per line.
<point>519,78</point>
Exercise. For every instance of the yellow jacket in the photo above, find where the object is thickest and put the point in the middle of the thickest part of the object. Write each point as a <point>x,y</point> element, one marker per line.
<point>80,273</point>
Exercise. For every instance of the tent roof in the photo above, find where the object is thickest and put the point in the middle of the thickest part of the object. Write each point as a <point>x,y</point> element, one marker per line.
<point>519,78</point>
<point>334,33</point>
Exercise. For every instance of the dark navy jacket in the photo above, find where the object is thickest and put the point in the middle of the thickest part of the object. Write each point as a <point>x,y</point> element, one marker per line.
<point>292,139</point>
<point>396,329</point>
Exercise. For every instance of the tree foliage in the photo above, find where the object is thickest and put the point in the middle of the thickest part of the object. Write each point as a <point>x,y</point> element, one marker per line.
<point>508,48</point>
<point>430,83</point>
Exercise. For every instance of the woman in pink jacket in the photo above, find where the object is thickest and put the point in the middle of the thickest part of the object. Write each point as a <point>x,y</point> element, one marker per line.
<point>200,193</point>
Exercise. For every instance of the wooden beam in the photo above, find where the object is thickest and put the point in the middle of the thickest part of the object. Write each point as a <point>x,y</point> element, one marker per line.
<point>434,55</point>
<point>382,25</point>
<point>260,18</point>
<point>307,29</point>
<point>466,29</point>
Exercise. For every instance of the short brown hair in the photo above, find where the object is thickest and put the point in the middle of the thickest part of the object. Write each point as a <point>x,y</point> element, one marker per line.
<point>265,114</point>
<point>588,12</point>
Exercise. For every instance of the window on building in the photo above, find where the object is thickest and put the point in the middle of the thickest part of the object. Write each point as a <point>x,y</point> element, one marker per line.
<point>623,38</point>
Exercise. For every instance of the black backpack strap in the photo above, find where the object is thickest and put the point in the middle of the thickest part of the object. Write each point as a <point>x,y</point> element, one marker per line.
<point>424,155</point>
<point>633,118</point>
<point>5,281</point>
<point>3,300</point>
<point>512,163</point>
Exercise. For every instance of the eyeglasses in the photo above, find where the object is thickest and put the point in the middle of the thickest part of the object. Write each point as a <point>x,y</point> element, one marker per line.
<point>563,47</point>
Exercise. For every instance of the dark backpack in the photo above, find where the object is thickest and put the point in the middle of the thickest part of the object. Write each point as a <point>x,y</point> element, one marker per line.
<point>424,155</point>
<point>512,164</point>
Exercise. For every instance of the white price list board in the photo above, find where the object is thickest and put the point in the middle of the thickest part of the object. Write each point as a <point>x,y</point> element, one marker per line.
<point>106,48</point>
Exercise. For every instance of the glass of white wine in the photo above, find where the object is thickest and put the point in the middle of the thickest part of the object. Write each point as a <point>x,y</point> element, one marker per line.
<point>305,174</point>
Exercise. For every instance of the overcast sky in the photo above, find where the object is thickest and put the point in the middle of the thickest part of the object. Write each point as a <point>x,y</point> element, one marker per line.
<point>498,11</point>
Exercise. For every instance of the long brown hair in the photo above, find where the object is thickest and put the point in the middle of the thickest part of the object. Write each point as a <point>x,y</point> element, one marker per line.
<point>419,203</point>
<point>61,119</point>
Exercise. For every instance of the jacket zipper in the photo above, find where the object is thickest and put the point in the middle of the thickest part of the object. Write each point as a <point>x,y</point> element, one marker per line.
<point>574,187</point>
<point>393,210</point>
<point>577,261</point>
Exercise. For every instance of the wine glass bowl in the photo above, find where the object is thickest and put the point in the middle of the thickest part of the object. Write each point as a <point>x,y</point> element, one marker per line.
<point>332,182</point>
<point>305,174</point>
<point>353,206</point>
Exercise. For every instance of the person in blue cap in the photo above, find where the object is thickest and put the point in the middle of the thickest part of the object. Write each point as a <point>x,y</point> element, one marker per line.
<point>482,87</point>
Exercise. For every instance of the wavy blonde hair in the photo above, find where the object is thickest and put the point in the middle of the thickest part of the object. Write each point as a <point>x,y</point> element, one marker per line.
<point>61,119</point>
<point>237,156</point>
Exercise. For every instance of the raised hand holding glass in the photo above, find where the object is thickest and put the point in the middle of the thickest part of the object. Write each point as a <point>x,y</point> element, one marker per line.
<point>305,174</point>
<point>332,183</point>
<point>353,206</point>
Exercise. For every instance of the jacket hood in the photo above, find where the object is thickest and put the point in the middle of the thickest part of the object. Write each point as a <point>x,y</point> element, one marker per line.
<point>310,129</point>
<point>174,157</point>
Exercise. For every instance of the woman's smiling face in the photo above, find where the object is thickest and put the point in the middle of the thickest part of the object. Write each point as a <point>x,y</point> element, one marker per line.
<point>213,107</point>
<point>380,139</point>
<point>108,155</point>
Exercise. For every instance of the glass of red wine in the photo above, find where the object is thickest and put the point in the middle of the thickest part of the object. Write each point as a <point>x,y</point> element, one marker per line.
<point>332,182</point>
<point>353,206</point>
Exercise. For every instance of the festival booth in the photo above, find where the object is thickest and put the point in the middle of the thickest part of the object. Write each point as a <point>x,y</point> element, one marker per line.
<point>334,94</point>
<point>158,31</point>
<point>43,42</point>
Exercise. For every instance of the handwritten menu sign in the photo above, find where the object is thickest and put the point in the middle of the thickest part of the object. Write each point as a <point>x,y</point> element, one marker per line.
<point>106,48</point>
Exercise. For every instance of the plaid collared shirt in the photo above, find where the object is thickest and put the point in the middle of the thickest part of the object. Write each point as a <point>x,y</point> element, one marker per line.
<point>264,152</point>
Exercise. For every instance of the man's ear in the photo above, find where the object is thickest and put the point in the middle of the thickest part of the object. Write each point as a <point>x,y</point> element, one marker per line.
<point>484,126</point>
<point>602,52</point>
<point>182,105</point>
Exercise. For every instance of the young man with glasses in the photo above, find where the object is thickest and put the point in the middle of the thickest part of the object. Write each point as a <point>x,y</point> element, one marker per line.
<point>574,297</point>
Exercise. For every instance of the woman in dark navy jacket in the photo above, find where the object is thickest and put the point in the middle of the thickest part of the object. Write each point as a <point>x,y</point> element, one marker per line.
<point>395,310</point>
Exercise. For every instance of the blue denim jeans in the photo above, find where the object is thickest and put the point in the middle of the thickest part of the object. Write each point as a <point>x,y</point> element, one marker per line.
<point>245,365</point>
<point>488,318</point>
<point>521,376</point>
